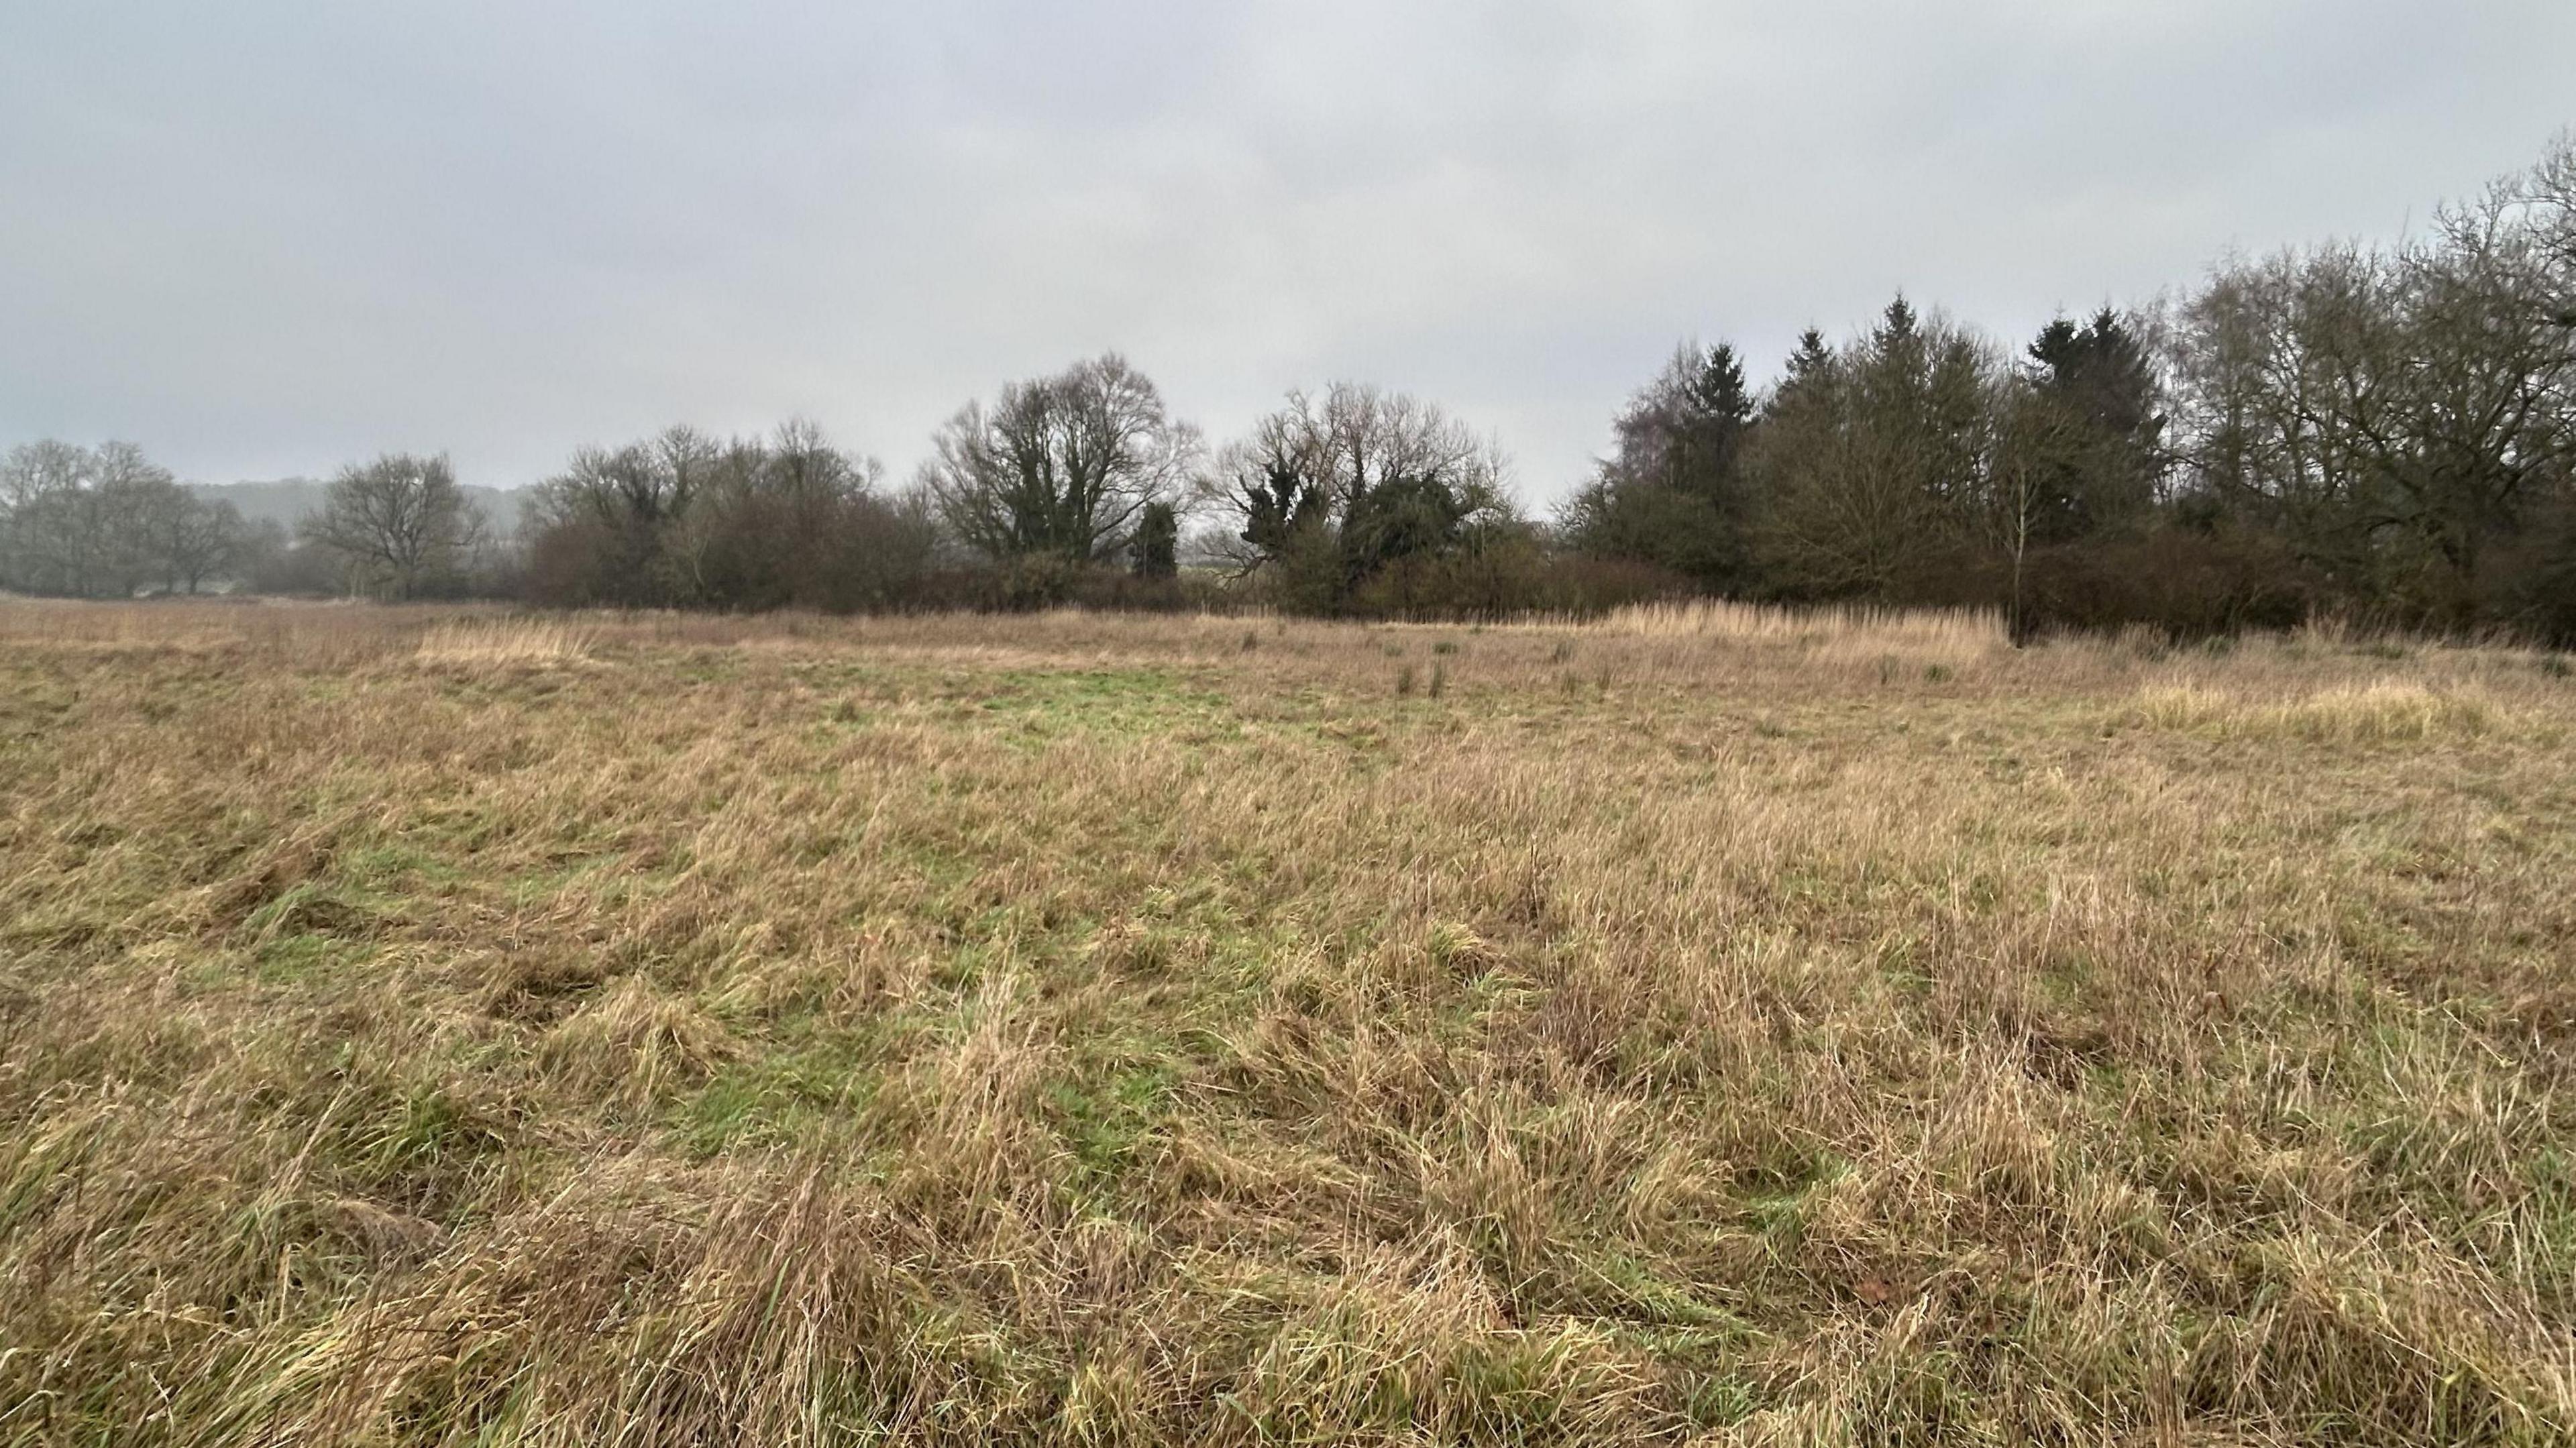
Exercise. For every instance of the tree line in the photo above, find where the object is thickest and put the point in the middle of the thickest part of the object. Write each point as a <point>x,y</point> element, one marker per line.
<point>2386,433</point>
<point>108,521</point>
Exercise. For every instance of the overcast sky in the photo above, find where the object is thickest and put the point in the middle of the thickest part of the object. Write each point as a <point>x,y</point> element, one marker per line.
<point>265,237</point>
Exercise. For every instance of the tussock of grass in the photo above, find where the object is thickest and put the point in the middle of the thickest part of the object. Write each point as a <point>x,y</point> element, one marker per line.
<point>2382,711</point>
<point>502,643</point>
<point>1085,1029</point>
<point>632,1043</point>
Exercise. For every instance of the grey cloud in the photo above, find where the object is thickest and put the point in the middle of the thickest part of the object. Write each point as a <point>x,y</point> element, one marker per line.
<point>265,237</point>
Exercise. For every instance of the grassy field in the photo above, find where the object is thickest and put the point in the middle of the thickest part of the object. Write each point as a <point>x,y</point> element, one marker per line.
<point>1703,1026</point>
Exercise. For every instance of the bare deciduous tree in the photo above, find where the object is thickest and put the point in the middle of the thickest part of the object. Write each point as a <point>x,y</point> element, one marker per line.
<point>84,522</point>
<point>37,481</point>
<point>2035,437</point>
<point>1062,466</point>
<point>1317,458</point>
<point>196,539</point>
<point>2395,413</point>
<point>35,469</point>
<point>398,521</point>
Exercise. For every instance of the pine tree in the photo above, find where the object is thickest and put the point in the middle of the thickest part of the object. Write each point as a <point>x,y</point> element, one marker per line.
<point>2098,378</point>
<point>1155,551</point>
<point>1671,493</point>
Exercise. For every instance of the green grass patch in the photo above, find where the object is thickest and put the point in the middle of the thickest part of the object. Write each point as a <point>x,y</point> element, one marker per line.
<point>787,1096</point>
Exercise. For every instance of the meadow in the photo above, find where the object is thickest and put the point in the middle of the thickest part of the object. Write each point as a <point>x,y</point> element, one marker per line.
<point>1704,1025</point>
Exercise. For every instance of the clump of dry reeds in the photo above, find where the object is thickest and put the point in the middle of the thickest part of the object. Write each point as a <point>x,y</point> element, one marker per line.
<point>1960,630</point>
<point>502,643</point>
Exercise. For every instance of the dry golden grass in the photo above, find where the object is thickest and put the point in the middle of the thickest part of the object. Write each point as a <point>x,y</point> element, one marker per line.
<point>1952,636</point>
<point>2381,711</point>
<point>1712,1028</point>
<point>502,643</point>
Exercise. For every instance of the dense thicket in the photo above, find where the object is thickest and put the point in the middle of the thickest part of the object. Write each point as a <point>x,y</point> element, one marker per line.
<point>686,521</point>
<point>1361,500</point>
<point>2387,434</point>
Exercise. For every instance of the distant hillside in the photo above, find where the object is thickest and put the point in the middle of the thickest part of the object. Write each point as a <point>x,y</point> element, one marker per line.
<point>288,499</point>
